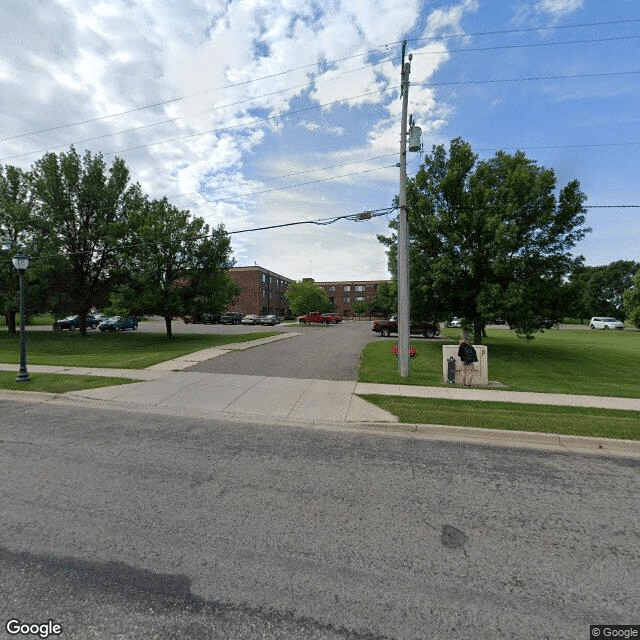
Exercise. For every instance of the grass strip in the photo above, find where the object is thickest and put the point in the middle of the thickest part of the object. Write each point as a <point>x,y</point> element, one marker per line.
<point>562,420</point>
<point>580,361</point>
<point>57,383</point>
<point>119,350</point>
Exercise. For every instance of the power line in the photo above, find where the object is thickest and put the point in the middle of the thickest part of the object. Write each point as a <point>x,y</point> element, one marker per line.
<point>300,184</point>
<point>524,46</point>
<point>317,107</point>
<point>327,63</point>
<point>248,123</point>
<point>529,79</point>
<point>353,217</point>
<point>296,173</point>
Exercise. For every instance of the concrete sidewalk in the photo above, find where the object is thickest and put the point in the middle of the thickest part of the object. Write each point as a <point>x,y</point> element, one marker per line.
<point>166,388</point>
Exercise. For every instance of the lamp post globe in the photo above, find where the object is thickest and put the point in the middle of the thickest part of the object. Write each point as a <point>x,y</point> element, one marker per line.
<point>21,263</point>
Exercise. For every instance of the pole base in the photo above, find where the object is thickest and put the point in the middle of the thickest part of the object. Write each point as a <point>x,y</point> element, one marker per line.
<point>23,377</point>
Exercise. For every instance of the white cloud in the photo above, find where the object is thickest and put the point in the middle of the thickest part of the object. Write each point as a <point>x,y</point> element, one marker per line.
<point>558,8</point>
<point>80,60</point>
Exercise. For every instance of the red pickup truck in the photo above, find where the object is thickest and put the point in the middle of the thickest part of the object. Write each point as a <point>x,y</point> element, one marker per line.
<point>426,329</point>
<point>314,316</point>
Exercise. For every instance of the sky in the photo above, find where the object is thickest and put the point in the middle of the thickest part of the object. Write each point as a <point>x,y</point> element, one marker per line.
<point>258,113</point>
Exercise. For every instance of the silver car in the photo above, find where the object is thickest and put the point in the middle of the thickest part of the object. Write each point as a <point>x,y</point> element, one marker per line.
<point>251,319</point>
<point>270,319</point>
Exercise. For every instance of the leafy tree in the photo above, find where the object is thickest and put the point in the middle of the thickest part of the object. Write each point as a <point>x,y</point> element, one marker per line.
<point>489,238</point>
<point>386,300</point>
<point>305,296</point>
<point>175,265</point>
<point>360,307</point>
<point>605,287</point>
<point>16,230</point>
<point>84,209</point>
<point>632,301</point>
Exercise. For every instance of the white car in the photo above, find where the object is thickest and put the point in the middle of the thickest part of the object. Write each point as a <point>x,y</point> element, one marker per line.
<point>251,319</point>
<point>606,323</point>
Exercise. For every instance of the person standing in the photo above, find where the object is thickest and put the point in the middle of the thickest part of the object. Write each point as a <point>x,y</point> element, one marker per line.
<point>468,356</point>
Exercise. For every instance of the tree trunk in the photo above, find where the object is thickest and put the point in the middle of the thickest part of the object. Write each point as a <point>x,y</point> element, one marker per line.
<point>167,322</point>
<point>10,318</point>
<point>477,333</point>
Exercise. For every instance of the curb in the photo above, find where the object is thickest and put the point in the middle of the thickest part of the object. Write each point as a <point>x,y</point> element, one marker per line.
<point>466,435</point>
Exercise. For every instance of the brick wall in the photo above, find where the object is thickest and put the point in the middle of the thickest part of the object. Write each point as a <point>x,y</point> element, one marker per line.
<point>262,291</point>
<point>343,294</point>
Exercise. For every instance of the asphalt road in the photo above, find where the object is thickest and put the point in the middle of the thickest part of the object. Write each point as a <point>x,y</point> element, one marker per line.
<point>321,353</point>
<point>126,526</point>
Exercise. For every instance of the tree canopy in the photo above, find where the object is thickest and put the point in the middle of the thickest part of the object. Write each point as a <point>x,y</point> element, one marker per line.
<point>632,300</point>
<point>488,239</point>
<point>82,208</point>
<point>599,290</point>
<point>173,265</point>
<point>305,296</point>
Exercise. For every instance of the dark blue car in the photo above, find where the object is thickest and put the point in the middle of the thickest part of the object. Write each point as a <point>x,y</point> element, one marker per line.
<point>118,323</point>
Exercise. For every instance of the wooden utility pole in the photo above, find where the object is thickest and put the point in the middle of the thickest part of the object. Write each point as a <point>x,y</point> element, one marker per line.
<point>403,235</point>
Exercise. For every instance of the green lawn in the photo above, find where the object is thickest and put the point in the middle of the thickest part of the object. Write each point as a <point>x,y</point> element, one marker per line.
<point>575,361</point>
<point>56,383</point>
<point>580,361</point>
<point>577,421</point>
<point>128,350</point>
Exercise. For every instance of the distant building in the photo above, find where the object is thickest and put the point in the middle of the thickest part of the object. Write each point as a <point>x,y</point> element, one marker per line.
<point>262,291</point>
<point>345,292</point>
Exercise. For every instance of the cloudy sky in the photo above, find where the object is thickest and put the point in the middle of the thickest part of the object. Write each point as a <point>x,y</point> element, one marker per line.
<point>268,112</point>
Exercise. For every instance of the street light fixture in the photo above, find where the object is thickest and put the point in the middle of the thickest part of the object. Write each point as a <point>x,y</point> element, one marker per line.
<point>21,263</point>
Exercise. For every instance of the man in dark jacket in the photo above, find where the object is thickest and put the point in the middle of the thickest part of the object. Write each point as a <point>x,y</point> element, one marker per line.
<point>468,356</point>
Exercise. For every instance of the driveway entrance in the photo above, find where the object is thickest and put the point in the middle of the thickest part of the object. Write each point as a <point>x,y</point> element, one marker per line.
<point>320,353</point>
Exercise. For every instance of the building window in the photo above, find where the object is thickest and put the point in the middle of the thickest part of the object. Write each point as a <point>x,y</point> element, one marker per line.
<point>347,287</point>
<point>360,299</point>
<point>347,299</point>
<point>332,289</point>
<point>359,287</point>
<point>264,293</point>
<point>263,277</point>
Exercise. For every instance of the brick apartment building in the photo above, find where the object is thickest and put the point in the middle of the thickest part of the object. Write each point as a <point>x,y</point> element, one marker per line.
<point>344,293</point>
<point>262,291</point>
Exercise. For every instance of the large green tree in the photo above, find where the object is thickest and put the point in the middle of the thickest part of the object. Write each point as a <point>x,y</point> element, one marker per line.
<point>632,300</point>
<point>84,210</point>
<point>16,232</point>
<point>386,300</point>
<point>489,239</point>
<point>305,296</point>
<point>174,264</point>
<point>599,290</point>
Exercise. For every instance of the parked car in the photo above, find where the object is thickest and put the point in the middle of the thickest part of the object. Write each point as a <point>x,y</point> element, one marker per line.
<point>454,323</point>
<point>605,323</point>
<point>332,317</point>
<point>232,317</point>
<point>314,317</point>
<point>426,329</point>
<point>118,323</point>
<point>73,322</point>
<point>251,319</point>
<point>269,320</point>
<point>205,318</point>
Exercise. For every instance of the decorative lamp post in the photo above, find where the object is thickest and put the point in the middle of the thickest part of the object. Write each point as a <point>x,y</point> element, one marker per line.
<point>21,263</point>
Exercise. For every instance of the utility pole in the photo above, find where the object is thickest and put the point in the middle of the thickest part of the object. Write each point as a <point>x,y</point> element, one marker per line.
<point>403,235</point>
